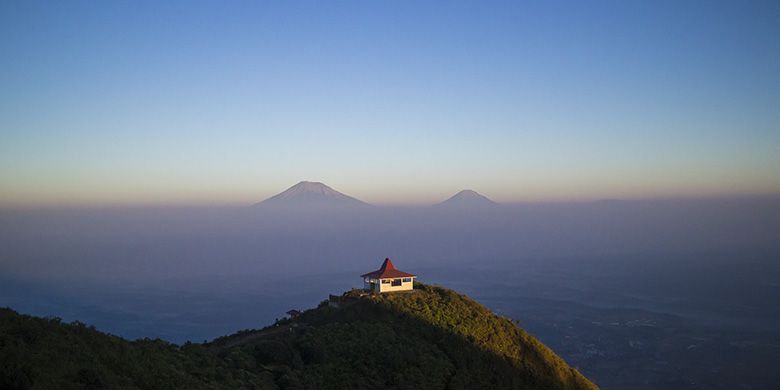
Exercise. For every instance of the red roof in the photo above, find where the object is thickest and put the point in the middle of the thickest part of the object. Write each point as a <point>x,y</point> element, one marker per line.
<point>386,271</point>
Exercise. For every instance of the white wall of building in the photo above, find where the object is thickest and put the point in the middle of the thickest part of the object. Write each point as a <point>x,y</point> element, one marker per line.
<point>388,287</point>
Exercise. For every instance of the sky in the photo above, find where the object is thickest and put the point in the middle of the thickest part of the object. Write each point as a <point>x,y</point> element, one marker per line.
<point>401,102</point>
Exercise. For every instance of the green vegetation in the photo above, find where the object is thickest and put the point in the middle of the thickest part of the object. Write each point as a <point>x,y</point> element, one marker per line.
<point>431,338</point>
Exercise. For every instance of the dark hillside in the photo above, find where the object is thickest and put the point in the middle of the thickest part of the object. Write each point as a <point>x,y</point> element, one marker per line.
<point>42,353</point>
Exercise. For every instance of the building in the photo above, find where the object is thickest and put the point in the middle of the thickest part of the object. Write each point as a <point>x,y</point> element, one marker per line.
<point>388,279</point>
<point>293,314</point>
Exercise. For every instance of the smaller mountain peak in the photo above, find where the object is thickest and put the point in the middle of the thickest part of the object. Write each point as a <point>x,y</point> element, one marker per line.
<point>468,198</point>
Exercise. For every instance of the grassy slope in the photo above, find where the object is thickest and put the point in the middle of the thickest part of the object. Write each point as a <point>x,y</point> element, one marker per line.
<point>433,338</point>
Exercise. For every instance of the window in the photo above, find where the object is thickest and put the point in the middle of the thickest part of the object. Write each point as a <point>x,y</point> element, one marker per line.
<point>385,281</point>
<point>407,280</point>
<point>396,282</point>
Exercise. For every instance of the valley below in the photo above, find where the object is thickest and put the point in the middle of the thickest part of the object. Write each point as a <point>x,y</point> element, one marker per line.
<point>619,336</point>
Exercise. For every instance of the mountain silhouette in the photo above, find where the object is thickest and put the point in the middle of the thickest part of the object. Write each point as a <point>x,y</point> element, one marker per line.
<point>309,193</point>
<point>467,199</point>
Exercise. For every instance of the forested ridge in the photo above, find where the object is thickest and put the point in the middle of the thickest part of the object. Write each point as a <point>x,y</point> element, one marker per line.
<point>431,338</point>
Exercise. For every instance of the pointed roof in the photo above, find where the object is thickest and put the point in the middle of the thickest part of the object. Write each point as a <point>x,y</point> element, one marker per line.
<point>386,271</point>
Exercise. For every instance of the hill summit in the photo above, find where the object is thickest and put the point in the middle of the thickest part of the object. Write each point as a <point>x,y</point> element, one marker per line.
<point>427,338</point>
<point>310,193</point>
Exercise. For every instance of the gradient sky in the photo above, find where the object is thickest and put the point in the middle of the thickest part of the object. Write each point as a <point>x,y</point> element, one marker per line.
<point>391,102</point>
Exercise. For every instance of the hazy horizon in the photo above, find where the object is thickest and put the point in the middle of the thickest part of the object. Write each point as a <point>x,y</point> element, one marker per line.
<point>426,202</point>
<point>239,239</point>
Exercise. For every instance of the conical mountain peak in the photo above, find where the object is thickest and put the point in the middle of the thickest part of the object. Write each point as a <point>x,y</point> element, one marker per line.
<point>310,193</point>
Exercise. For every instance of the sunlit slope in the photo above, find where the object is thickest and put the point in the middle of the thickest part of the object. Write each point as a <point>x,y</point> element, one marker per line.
<point>430,338</point>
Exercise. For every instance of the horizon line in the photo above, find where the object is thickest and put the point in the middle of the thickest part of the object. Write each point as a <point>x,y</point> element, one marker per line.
<point>154,204</point>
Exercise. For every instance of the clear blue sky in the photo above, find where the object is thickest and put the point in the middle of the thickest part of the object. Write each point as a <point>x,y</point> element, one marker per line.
<point>391,102</point>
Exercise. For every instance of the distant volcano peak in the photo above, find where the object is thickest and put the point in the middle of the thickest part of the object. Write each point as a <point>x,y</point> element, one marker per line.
<point>468,198</point>
<point>469,193</point>
<point>310,193</point>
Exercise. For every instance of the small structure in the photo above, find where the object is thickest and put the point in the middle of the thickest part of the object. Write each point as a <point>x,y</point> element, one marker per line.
<point>388,279</point>
<point>293,314</point>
